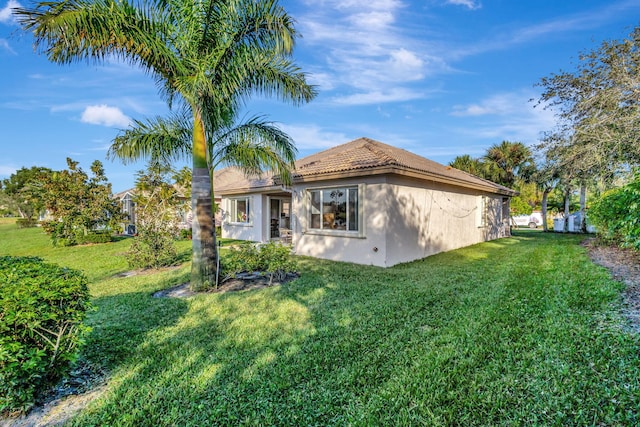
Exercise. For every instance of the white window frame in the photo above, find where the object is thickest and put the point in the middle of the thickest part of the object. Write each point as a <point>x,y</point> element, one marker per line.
<point>234,217</point>
<point>360,232</point>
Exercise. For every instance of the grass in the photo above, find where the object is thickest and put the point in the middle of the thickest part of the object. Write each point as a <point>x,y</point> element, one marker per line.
<point>520,331</point>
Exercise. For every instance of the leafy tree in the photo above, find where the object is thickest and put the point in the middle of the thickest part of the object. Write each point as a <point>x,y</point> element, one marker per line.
<point>207,57</point>
<point>81,206</point>
<point>157,207</point>
<point>546,179</point>
<point>23,191</point>
<point>598,107</point>
<point>519,206</point>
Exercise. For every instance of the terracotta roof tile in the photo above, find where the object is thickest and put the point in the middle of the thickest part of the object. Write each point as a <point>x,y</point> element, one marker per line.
<point>362,154</point>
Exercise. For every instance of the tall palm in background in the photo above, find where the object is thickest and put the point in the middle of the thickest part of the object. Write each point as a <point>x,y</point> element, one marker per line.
<point>468,164</point>
<point>207,57</point>
<point>506,162</point>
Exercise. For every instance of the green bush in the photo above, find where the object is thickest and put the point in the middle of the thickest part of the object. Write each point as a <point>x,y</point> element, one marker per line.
<point>42,307</point>
<point>26,222</point>
<point>152,248</point>
<point>272,258</point>
<point>186,234</point>
<point>96,237</point>
<point>240,258</point>
<point>616,215</point>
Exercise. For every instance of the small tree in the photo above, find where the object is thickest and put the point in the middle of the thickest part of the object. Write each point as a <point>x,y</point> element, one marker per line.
<point>23,192</point>
<point>157,208</point>
<point>81,206</point>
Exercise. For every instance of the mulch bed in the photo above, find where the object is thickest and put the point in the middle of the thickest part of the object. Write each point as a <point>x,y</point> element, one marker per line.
<point>250,282</point>
<point>624,265</point>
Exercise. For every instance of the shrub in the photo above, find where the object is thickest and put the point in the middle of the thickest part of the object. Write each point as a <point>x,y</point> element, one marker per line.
<point>241,258</point>
<point>96,237</point>
<point>616,214</point>
<point>272,258</point>
<point>186,234</point>
<point>152,249</point>
<point>26,222</point>
<point>157,207</point>
<point>42,309</point>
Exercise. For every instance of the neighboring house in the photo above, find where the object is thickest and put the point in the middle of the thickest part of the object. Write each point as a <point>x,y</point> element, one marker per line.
<point>126,199</point>
<point>365,202</point>
<point>128,207</point>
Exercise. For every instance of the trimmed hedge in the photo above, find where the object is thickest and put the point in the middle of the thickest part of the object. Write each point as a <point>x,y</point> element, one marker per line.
<point>26,222</point>
<point>42,307</point>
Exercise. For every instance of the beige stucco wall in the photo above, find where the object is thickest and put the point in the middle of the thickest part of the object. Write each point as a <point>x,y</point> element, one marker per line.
<point>252,231</point>
<point>429,217</point>
<point>404,220</point>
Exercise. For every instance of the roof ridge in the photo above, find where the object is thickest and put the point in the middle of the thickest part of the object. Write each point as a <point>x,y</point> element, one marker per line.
<point>377,149</point>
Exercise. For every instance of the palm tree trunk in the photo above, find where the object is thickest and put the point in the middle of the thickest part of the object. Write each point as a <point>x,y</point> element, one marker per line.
<point>203,264</point>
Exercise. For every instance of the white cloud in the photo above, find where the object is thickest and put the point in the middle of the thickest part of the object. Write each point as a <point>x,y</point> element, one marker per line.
<point>366,53</point>
<point>378,97</point>
<point>105,116</point>
<point>471,4</point>
<point>6,14</point>
<point>406,65</point>
<point>579,21</point>
<point>312,137</point>
<point>4,44</point>
<point>374,19</point>
<point>513,118</point>
<point>499,104</point>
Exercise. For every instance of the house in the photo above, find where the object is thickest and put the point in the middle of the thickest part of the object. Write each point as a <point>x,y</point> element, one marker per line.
<point>128,206</point>
<point>365,202</point>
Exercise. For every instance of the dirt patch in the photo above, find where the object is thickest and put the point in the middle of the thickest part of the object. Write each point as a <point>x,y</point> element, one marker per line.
<point>624,265</point>
<point>55,407</point>
<point>145,271</point>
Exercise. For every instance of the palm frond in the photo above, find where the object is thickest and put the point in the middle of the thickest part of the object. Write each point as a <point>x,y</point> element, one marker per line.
<point>255,146</point>
<point>82,30</point>
<point>158,139</point>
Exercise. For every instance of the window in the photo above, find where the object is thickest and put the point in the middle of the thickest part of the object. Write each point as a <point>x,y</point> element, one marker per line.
<point>239,211</point>
<point>334,209</point>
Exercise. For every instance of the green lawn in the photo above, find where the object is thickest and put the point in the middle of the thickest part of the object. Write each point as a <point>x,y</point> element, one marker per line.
<point>519,331</point>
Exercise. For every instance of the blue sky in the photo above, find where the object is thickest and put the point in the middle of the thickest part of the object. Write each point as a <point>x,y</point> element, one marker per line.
<point>437,77</point>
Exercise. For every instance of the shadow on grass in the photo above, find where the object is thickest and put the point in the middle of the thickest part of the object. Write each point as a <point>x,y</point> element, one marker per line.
<point>466,337</point>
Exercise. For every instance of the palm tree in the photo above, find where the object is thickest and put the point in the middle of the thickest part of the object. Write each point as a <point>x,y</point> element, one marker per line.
<point>468,164</point>
<point>207,57</point>
<point>507,161</point>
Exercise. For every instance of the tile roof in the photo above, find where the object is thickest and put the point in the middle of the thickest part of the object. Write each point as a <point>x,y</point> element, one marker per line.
<point>361,156</point>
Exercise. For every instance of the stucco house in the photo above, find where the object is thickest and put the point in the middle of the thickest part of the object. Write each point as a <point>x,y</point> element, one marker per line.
<point>365,202</point>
